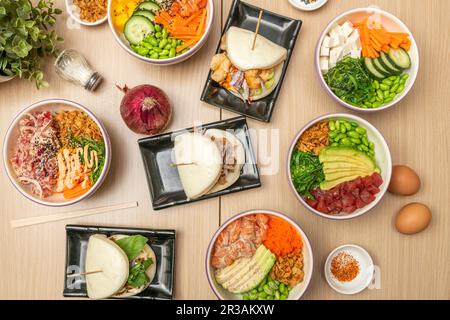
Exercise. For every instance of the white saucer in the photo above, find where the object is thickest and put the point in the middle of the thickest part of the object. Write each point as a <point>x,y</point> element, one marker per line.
<point>364,277</point>
<point>299,4</point>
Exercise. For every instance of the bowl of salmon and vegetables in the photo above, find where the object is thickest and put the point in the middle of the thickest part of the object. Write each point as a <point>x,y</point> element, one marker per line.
<point>259,255</point>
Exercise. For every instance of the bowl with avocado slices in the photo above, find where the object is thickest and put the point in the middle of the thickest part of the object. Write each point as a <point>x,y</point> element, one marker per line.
<point>259,255</point>
<point>367,59</point>
<point>339,166</point>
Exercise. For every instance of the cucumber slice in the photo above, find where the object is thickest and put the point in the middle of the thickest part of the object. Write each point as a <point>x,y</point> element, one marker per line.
<point>147,14</point>
<point>380,68</point>
<point>370,67</point>
<point>149,6</point>
<point>137,28</point>
<point>388,65</point>
<point>400,58</point>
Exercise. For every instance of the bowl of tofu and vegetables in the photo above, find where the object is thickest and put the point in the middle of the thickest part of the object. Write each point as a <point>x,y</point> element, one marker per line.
<point>161,32</point>
<point>367,59</point>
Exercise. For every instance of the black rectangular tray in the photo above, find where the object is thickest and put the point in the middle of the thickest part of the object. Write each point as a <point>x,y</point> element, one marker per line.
<point>279,29</point>
<point>161,241</point>
<point>163,179</point>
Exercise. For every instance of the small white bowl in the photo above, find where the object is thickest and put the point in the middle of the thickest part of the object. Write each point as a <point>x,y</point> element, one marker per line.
<point>391,23</point>
<point>382,157</point>
<point>296,292</point>
<point>120,38</point>
<point>9,144</point>
<point>362,280</point>
<point>299,4</point>
<point>74,12</point>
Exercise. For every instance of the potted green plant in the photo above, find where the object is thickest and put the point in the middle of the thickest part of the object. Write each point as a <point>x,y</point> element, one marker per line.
<point>27,36</point>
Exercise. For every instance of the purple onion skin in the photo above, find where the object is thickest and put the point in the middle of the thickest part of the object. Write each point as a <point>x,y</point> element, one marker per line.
<point>145,109</point>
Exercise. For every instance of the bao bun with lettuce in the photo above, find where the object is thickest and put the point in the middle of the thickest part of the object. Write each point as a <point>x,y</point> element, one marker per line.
<point>127,266</point>
<point>250,74</point>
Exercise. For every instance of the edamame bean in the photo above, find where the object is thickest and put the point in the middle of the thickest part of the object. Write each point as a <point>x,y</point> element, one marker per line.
<point>283,297</point>
<point>163,43</point>
<point>331,125</point>
<point>143,51</point>
<point>338,125</point>
<point>384,87</point>
<point>371,145</point>
<point>394,88</point>
<point>360,130</point>
<point>373,99</point>
<point>363,147</point>
<point>172,53</point>
<point>154,42</point>
<point>282,287</point>
<point>386,94</point>
<point>397,80</point>
<point>334,144</point>
<point>392,95</point>
<point>158,35</point>
<point>164,53</point>
<point>387,82</point>
<point>365,141</point>
<point>387,100</point>
<point>346,142</point>
<point>157,27</point>
<point>154,55</point>
<point>368,104</point>
<point>355,140</point>
<point>262,295</point>
<point>157,49</point>
<point>348,126</point>
<point>405,76</point>
<point>400,88</point>
<point>354,124</point>
<point>377,104</point>
<point>353,134</point>
<point>277,295</point>
<point>392,78</point>
<point>380,94</point>
<point>376,84</point>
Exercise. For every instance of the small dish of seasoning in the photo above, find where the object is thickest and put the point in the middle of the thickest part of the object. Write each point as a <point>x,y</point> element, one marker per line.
<point>307,5</point>
<point>88,12</point>
<point>349,269</point>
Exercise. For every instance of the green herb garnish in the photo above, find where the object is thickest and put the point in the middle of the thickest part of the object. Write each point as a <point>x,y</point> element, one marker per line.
<point>350,81</point>
<point>138,273</point>
<point>27,37</point>
<point>307,172</point>
<point>132,245</point>
<point>77,142</point>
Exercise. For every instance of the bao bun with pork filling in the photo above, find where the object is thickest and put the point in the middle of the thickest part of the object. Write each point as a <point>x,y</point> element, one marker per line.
<point>127,265</point>
<point>248,74</point>
<point>208,162</point>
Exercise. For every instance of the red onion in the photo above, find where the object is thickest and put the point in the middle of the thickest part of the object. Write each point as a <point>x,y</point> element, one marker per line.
<point>145,109</point>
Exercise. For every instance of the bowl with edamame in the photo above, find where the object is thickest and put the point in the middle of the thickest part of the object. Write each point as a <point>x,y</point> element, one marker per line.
<point>160,32</point>
<point>339,166</point>
<point>367,59</point>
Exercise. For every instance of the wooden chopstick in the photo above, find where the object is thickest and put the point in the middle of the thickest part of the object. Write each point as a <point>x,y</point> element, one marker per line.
<point>257,29</point>
<point>70,215</point>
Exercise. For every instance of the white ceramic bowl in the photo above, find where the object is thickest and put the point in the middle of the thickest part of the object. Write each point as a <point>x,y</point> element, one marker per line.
<point>382,157</point>
<point>74,12</point>
<point>391,23</point>
<point>296,292</point>
<point>54,105</point>
<point>299,4</point>
<point>120,38</point>
<point>364,277</point>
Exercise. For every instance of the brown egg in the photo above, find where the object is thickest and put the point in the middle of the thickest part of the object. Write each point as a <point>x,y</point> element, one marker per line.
<point>412,218</point>
<point>404,181</point>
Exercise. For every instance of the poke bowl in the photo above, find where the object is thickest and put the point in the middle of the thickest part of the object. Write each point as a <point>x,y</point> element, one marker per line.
<point>339,166</point>
<point>248,258</point>
<point>367,59</point>
<point>56,152</point>
<point>161,32</point>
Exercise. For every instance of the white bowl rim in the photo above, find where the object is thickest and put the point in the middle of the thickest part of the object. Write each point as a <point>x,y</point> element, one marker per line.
<point>82,22</point>
<point>388,157</point>
<point>168,61</point>
<point>308,7</point>
<point>327,272</point>
<point>106,140</point>
<point>412,77</point>
<point>306,245</point>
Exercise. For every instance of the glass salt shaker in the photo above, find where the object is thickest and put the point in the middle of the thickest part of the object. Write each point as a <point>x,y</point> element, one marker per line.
<point>73,66</point>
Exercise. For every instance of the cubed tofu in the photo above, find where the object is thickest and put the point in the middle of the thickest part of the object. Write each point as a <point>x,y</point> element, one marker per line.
<point>355,53</point>
<point>347,28</point>
<point>334,29</point>
<point>346,48</point>
<point>324,51</point>
<point>326,42</point>
<point>335,55</point>
<point>335,41</point>
<point>324,67</point>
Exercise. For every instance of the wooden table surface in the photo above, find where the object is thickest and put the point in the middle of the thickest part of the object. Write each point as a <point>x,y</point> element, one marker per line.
<point>412,267</point>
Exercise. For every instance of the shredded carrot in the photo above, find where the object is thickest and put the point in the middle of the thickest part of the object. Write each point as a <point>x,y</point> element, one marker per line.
<point>75,192</point>
<point>374,39</point>
<point>282,238</point>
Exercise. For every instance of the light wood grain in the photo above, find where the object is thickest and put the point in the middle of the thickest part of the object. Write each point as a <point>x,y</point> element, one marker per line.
<point>32,264</point>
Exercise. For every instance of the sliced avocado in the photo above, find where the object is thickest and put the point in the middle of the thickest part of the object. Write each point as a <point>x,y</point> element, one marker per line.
<point>331,153</point>
<point>327,185</point>
<point>345,164</point>
<point>330,176</point>
<point>245,274</point>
